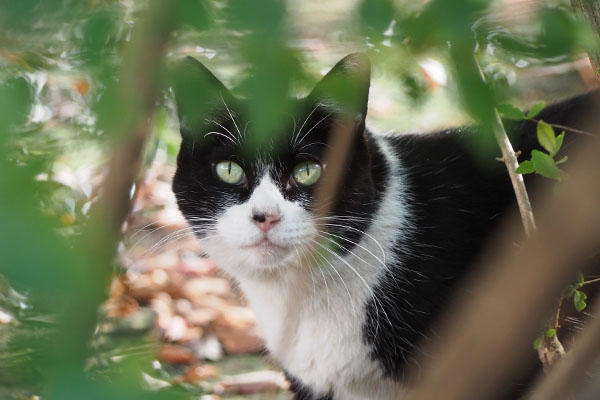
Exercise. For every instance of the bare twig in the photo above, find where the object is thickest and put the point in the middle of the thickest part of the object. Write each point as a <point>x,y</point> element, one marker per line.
<point>564,128</point>
<point>510,160</point>
<point>339,149</point>
<point>509,157</point>
<point>139,86</point>
<point>562,381</point>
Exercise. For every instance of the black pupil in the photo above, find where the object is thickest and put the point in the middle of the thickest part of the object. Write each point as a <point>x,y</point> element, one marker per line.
<point>229,169</point>
<point>307,170</point>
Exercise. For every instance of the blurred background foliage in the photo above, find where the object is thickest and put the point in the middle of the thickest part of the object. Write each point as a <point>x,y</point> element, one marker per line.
<point>435,64</point>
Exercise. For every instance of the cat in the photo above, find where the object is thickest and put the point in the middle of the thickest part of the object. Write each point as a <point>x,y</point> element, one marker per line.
<point>412,213</point>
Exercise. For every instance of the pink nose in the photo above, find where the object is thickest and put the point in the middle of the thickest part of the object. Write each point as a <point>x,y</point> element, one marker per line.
<point>265,221</point>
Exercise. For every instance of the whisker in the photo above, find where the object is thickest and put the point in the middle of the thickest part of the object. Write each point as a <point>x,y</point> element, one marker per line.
<point>361,232</point>
<point>231,116</point>
<point>350,251</point>
<point>295,141</point>
<point>233,137</point>
<point>220,134</point>
<point>353,305</point>
<point>314,126</point>
<point>372,294</point>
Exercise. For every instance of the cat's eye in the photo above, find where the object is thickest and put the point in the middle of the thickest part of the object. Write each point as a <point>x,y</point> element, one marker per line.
<point>230,172</point>
<point>307,173</point>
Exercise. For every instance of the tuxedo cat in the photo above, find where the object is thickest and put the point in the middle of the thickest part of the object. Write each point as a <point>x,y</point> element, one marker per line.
<point>412,212</point>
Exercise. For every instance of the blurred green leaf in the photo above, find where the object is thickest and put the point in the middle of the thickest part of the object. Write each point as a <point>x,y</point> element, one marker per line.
<point>537,342</point>
<point>535,109</point>
<point>579,299</point>
<point>547,137</point>
<point>551,333</point>
<point>16,98</point>
<point>562,160</point>
<point>511,112</point>
<point>192,13</point>
<point>560,31</point>
<point>377,14</point>
<point>559,141</point>
<point>256,16</point>
<point>545,165</point>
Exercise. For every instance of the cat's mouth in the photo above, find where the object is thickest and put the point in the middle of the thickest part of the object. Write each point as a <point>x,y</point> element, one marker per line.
<point>264,244</point>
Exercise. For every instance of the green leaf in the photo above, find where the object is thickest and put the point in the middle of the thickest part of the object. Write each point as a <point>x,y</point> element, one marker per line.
<point>547,137</point>
<point>537,342</point>
<point>571,291</point>
<point>509,111</point>
<point>526,167</point>
<point>559,140</point>
<point>545,165</point>
<point>535,109</point>
<point>579,300</point>
<point>580,279</point>
<point>550,332</point>
<point>562,160</point>
<point>377,14</point>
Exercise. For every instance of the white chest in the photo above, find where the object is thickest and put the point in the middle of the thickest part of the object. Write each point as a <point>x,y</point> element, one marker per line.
<point>313,328</point>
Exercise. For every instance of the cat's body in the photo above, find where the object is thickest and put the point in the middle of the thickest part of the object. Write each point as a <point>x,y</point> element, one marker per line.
<point>412,213</point>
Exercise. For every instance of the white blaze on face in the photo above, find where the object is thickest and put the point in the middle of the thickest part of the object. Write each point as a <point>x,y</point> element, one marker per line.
<point>242,246</point>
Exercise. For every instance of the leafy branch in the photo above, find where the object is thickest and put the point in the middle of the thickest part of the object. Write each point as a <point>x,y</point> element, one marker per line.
<point>579,297</point>
<point>550,349</point>
<point>541,163</point>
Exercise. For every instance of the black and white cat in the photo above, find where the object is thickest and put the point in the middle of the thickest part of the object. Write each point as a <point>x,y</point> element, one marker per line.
<point>412,213</point>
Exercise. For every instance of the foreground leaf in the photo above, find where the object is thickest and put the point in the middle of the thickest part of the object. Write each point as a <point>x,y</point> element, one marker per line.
<point>511,112</point>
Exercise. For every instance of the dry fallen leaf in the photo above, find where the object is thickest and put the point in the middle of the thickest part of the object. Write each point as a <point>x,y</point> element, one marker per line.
<point>253,382</point>
<point>175,354</point>
<point>198,373</point>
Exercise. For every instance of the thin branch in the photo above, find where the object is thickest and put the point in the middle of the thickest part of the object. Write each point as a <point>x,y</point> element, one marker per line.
<point>590,281</point>
<point>563,127</point>
<point>510,160</point>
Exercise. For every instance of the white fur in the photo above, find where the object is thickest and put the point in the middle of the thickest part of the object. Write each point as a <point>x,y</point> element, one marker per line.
<point>312,316</point>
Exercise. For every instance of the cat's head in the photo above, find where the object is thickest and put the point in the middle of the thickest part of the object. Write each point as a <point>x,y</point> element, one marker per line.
<point>254,210</point>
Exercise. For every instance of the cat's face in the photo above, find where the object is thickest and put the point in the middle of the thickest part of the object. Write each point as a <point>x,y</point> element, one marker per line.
<point>254,210</point>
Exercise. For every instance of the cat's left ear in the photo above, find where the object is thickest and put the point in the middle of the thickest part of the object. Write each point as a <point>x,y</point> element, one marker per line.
<point>345,88</point>
<point>198,93</point>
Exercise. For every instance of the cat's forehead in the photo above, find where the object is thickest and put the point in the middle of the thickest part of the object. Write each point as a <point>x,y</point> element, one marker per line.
<point>232,130</point>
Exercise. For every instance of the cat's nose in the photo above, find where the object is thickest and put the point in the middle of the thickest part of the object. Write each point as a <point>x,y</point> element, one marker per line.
<point>265,221</point>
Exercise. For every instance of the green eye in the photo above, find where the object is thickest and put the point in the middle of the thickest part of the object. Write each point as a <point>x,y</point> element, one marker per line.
<point>307,173</point>
<point>230,172</point>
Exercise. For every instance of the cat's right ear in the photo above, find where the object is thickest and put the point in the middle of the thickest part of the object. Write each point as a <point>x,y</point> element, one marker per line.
<point>198,93</point>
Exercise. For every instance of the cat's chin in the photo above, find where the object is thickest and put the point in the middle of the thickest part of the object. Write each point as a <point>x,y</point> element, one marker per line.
<point>262,256</point>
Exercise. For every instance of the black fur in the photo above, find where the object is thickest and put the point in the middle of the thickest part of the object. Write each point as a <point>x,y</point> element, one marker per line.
<point>457,203</point>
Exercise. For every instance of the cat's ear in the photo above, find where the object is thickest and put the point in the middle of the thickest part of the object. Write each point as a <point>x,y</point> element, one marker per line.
<point>345,88</point>
<point>198,93</point>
